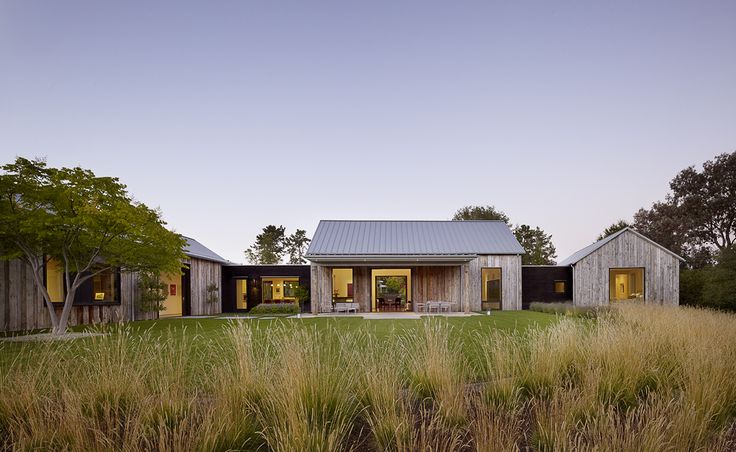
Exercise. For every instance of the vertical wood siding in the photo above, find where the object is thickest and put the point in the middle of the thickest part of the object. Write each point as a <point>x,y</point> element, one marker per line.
<point>661,271</point>
<point>437,283</point>
<point>510,266</point>
<point>321,290</point>
<point>204,273</point>
<point>22,306</point>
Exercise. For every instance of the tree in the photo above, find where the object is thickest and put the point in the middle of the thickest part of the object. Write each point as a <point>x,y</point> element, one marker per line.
<point>480,213</point>
<point>537,245</point>
<point>614,228</point>
<point>152,292</point>
<point>296,246</point>
<point>719,290</point>
<point>269,246</point>
<point>88,224</point>
<point>707,202</point>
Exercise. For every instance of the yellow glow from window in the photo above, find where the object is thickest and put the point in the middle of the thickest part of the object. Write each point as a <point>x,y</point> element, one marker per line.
<point>55,280</point>
<point>626,284</point>
<point>559,286</point>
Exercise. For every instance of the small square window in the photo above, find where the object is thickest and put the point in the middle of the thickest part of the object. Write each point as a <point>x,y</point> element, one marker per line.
<point>559,286</point>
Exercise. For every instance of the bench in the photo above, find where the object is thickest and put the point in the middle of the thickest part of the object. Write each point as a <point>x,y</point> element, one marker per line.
<point>345,307</point>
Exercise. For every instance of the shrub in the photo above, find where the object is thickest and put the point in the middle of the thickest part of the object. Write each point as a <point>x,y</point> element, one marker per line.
<point>568,308</point>
<point>275,308</point>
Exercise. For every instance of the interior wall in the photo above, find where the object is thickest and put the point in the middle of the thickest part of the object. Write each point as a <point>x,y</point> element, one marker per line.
<point>341,277</point>
<point>173,303</point>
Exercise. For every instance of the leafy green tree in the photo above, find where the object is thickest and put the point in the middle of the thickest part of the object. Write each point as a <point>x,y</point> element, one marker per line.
<point>707,202</point>
<point>538,246</point>
<point>89,224</point>
<point>269,246</point>
<point>296,246</point>
<point>480,213</point>
<point>719,290</point>
<point>614,228</point>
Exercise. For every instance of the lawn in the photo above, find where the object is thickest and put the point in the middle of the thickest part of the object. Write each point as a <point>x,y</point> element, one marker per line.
<point>637,378</point>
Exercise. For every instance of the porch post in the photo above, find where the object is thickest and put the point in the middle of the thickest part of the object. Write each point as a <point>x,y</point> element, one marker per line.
<point>464,288</point>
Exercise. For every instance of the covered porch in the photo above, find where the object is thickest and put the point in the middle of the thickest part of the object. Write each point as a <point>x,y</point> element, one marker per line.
<point>396,287</point>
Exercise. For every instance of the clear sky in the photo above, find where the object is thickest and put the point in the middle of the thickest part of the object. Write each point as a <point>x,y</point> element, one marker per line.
<point>231,115</point>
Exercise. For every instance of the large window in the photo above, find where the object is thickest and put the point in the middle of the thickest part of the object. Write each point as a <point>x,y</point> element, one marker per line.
<point>491,298</point>
<point>626,284</point>
<point>391,289</point>
<point>55,280</point>
<point>105,287</point>
<point>279,288</point>
<point>342,284</point>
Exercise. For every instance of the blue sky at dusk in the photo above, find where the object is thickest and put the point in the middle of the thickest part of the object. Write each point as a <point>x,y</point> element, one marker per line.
<point>231,115</point>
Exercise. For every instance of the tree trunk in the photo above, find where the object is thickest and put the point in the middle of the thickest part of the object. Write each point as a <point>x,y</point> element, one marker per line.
<point>60,328</point>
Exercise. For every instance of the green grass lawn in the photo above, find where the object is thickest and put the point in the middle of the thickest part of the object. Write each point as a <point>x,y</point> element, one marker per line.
<point>202,333</point>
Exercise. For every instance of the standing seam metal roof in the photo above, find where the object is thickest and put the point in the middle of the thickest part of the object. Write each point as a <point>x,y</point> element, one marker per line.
<point>391,238</point>
<point>195,249</point>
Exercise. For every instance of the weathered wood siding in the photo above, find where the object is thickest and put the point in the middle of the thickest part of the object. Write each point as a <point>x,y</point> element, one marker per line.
<point>22,306</point>
<point>362,288</point>
<point>204,273</point>
<point>457,283</point>
<point>440,283</point>
<point>661,271</point>
<point>321,288</point>
<point>510,266</point>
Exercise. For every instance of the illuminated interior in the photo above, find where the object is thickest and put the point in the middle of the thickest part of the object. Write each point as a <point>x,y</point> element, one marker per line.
<point>342,284</point>
<point>105,287</point>
<point>241,294</point>
<point>390,284</point>
<point>626,284</point>
<point>173,302</point>
<point>55,280</point>
<point>279,288</point>
<point>491,289</point>
<point>560,287</point>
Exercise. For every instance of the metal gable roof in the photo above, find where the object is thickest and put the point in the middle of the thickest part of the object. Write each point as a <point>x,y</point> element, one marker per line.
<point>352,238</point>
<point>579,255</point>
<point>195,249</point>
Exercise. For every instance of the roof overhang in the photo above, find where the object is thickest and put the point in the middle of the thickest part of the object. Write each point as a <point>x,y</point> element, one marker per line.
<point>391,259</point>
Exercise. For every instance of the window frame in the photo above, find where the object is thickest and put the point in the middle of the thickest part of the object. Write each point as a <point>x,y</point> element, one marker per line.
<point>77,301</point>
<point>564,286</point>
<point>500,288</point>
<point>643,284</point>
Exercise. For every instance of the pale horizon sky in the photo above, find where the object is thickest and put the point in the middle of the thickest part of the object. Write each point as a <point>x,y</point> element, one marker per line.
<point>232,115</point>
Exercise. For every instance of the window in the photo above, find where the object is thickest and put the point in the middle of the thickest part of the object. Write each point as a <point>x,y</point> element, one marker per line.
<point>342,284</point>
<point>560,287</point>
<point>241,289</point>
<point>105,287</point>
<point>491,289</point>
<point>626,284</point>
<point>55,280</point>
<point>279,288</point>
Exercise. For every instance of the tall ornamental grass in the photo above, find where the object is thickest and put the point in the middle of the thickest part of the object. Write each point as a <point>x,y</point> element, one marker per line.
<point>635,378</point>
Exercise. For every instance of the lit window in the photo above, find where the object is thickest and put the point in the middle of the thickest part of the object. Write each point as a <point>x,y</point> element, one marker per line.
<point>560,287</point>
<point>55,281</point>
<point>491,297</point>
<point>626,284</point>
<point>105,287</point>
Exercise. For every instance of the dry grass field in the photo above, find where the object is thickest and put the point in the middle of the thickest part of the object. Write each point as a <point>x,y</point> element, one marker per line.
<point>636,378</point>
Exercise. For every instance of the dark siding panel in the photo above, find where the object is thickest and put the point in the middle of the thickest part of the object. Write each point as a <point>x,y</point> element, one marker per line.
<point>253,273</point>
<point>538,284</point>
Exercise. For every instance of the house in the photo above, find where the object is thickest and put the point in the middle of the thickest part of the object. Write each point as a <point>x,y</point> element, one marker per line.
<point>109,296</point>
<point>402,265</point>
<point>623,266</point>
